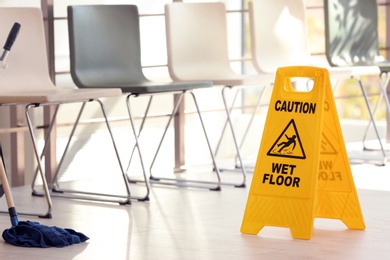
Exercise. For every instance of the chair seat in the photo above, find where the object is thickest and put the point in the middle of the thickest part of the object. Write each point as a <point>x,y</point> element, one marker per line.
<point>232,79</point>
<point>56,95</point>
<point>363,70</point>
<point>384,66</point>
<point>244,80</point>
<point>150,87</point>
<point>343,72</point>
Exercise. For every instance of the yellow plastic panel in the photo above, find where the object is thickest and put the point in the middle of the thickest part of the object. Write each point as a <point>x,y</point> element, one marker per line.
<point>301,171</point>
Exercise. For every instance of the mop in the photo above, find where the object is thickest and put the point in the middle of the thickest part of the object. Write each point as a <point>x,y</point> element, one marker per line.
<point>29,233</point>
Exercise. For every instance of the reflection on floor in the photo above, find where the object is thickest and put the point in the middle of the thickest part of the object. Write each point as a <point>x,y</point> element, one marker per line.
<point>189,223</point>
<point>185,223</point>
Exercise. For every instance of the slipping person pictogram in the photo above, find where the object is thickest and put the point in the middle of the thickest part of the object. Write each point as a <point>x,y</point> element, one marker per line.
<point>288,144</point>
<point>291,140</point>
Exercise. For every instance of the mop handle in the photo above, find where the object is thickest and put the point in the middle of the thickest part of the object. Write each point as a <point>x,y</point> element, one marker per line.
<point>10,41</point>
<point>12,36</point>
<point>4,181</point>
<point>3,176</point>
<point>10,202</point>
<point>7,47</point>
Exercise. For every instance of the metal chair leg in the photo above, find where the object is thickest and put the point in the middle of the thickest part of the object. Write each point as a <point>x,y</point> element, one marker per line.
<point>365,135</point>
<point>48,133</point>
<point>145,175</point>
<point>124,176</point>
<point>42,173</point>
<point>55,178</point>
<point>85,195</point>
<point>383,95</point>
<point>140,130</point>
<point>177,102</point>
<point>373,122</point>
<point>173,181</point>
<point>251,121</point>
<point>225,124</point>
<point>243,170</point>
<point>207,140</point>
<point>238,159</point>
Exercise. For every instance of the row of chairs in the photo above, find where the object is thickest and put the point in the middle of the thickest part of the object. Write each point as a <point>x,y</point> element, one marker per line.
<point>105,54</point>
<point>279,38</point>
<point>351,30</point>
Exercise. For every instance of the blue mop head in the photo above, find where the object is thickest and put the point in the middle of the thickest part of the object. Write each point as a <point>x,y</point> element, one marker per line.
<point>33,234</point>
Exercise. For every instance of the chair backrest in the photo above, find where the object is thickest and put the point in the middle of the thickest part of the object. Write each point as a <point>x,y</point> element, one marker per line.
<point>104,43</point>
<point>278,34</point>
<point>28,64</point>
<point>351,32</point>
<point>197,40</point>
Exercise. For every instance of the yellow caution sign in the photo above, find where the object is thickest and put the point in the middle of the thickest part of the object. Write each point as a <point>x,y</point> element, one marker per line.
<point>302,169</point>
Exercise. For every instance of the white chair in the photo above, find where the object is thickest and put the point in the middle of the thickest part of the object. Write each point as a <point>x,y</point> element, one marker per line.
<point>27,82</point>
<point>279,37</point>
<point>197,48</point>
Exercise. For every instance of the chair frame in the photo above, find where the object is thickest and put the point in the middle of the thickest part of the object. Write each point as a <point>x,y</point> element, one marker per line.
<point>294,12</point>
<point>199,63</point>
<point>34,89</point>
<point>57,191</point>
<point>133,85</point>
<point>154,179</point>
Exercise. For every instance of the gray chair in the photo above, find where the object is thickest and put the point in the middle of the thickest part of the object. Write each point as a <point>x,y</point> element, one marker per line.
<point>351,30</point>
<point>351,40</point>
<point>26,82</point>
<point>105,51</point>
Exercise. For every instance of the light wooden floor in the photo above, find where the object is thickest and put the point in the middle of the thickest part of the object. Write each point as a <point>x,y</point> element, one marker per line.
<point>184,223</point>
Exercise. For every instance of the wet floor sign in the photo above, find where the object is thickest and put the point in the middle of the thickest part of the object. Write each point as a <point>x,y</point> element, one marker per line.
<point>302,170</point>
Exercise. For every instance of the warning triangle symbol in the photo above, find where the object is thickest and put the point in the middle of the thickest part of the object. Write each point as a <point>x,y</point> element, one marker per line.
<point>288,144</point>
<point>326,146</point>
